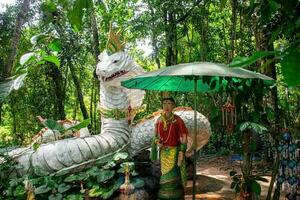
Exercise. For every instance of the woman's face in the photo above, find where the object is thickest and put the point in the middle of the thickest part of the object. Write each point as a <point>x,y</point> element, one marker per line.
<point>168,106</point>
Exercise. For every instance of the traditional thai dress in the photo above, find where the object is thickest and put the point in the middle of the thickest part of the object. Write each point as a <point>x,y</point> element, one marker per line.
<point>172,178</point>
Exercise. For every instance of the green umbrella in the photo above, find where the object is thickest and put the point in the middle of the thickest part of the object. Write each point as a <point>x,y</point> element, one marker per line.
<point>188,77</point>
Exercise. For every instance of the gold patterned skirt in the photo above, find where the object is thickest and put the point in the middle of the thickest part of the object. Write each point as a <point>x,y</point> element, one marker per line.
<point>170,186</point>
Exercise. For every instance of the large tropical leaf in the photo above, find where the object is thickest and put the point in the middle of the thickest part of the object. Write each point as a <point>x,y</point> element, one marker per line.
<point>290,67</point>
<point>120,156</point>
<point>42,189</point>
<point>79,126</point>
<point>75,15</point>
<point>96,191</point>
<point>7,87</point>
<point>63,188</point>
<point>56,196</point>
<point>105,175</point>
<point>252,126</point>
<point>53,125</point>
<point>26,57</point>
<point>246,61</point>
<point>53,59</point>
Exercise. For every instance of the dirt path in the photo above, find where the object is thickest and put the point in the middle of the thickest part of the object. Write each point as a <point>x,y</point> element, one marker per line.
<point>213,180</point>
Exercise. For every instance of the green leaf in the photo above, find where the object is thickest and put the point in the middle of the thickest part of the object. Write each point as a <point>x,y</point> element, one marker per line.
<point>94,171</point>
<point>19,191</point>
<point>104,160</point>
<point>255,187</point>
<point>129,164</point>
<point>7,87</point>
<point>236,80</point>
<point>105,175</point>
<point>79,126</point>
<point>40,171</point>
<point>71,178</point>
<point>246,61</point>
<point>53,59</point>
<point>138,183</point>
<point>96,191</point>
<point>248,82</point>
<point>49,8</point>
<point>109,165</point>
<point>290,67</point>
<point>120,156</point>
<point>252,126</point>
<point>273,5</point>
<point>134,173</point>
<point>241,88</point>
<point>36,38</point>
<point>26,57</point>
<point>53,125</point>
<point>42,189</point>
<point>76,14</point>
<point>56,196</point>
<point>35,146</point>
<point>63,188</point>
<point>74,197</point>
<point>107,193</point>
<point>78,177</point>
<point>270,113</point>
<point>224,83</point>
<point>55,45</point>
<point>14,182</point>
<point>82,176</point>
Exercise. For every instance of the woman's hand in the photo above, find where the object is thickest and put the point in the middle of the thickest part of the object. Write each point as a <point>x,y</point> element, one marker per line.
<point>159,144</point>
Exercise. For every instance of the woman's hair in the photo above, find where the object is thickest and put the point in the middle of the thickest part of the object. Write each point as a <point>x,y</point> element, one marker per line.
<point>168,98</point>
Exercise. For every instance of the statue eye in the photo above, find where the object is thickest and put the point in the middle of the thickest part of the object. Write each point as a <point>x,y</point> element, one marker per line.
<point>115,61</point>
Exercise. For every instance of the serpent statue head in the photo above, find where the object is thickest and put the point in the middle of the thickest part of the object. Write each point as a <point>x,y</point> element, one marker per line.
<point>114,68</point>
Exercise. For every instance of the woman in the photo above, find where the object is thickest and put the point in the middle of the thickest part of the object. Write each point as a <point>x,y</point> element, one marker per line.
<point>170,137</point>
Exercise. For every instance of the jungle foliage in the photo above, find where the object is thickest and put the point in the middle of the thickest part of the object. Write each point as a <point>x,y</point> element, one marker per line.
<point>49,51</point>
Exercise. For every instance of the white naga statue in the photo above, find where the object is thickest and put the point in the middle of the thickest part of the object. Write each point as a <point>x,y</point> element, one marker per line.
<point>117,106</point>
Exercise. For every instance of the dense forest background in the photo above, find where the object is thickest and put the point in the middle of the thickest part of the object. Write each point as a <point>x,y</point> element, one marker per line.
<point>49,52</point>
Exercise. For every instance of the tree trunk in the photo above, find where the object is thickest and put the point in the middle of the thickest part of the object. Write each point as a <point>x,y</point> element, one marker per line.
<point>204,27</point>
<point>22,15</point>
<point>225,43</point>
<point>16,38</point>
<point>78,91</point>
<point>170,29</point>
<point>246,166</point>
<point>57,78</point>
<point>241,30</point>
<point>263,38</point>
<point>154,37</point>
<point>233,28</point>
<point>74,115</point>
<point>95,35</point>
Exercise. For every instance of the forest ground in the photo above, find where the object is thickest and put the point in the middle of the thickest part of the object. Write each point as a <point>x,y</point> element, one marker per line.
<point>213,180</point>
